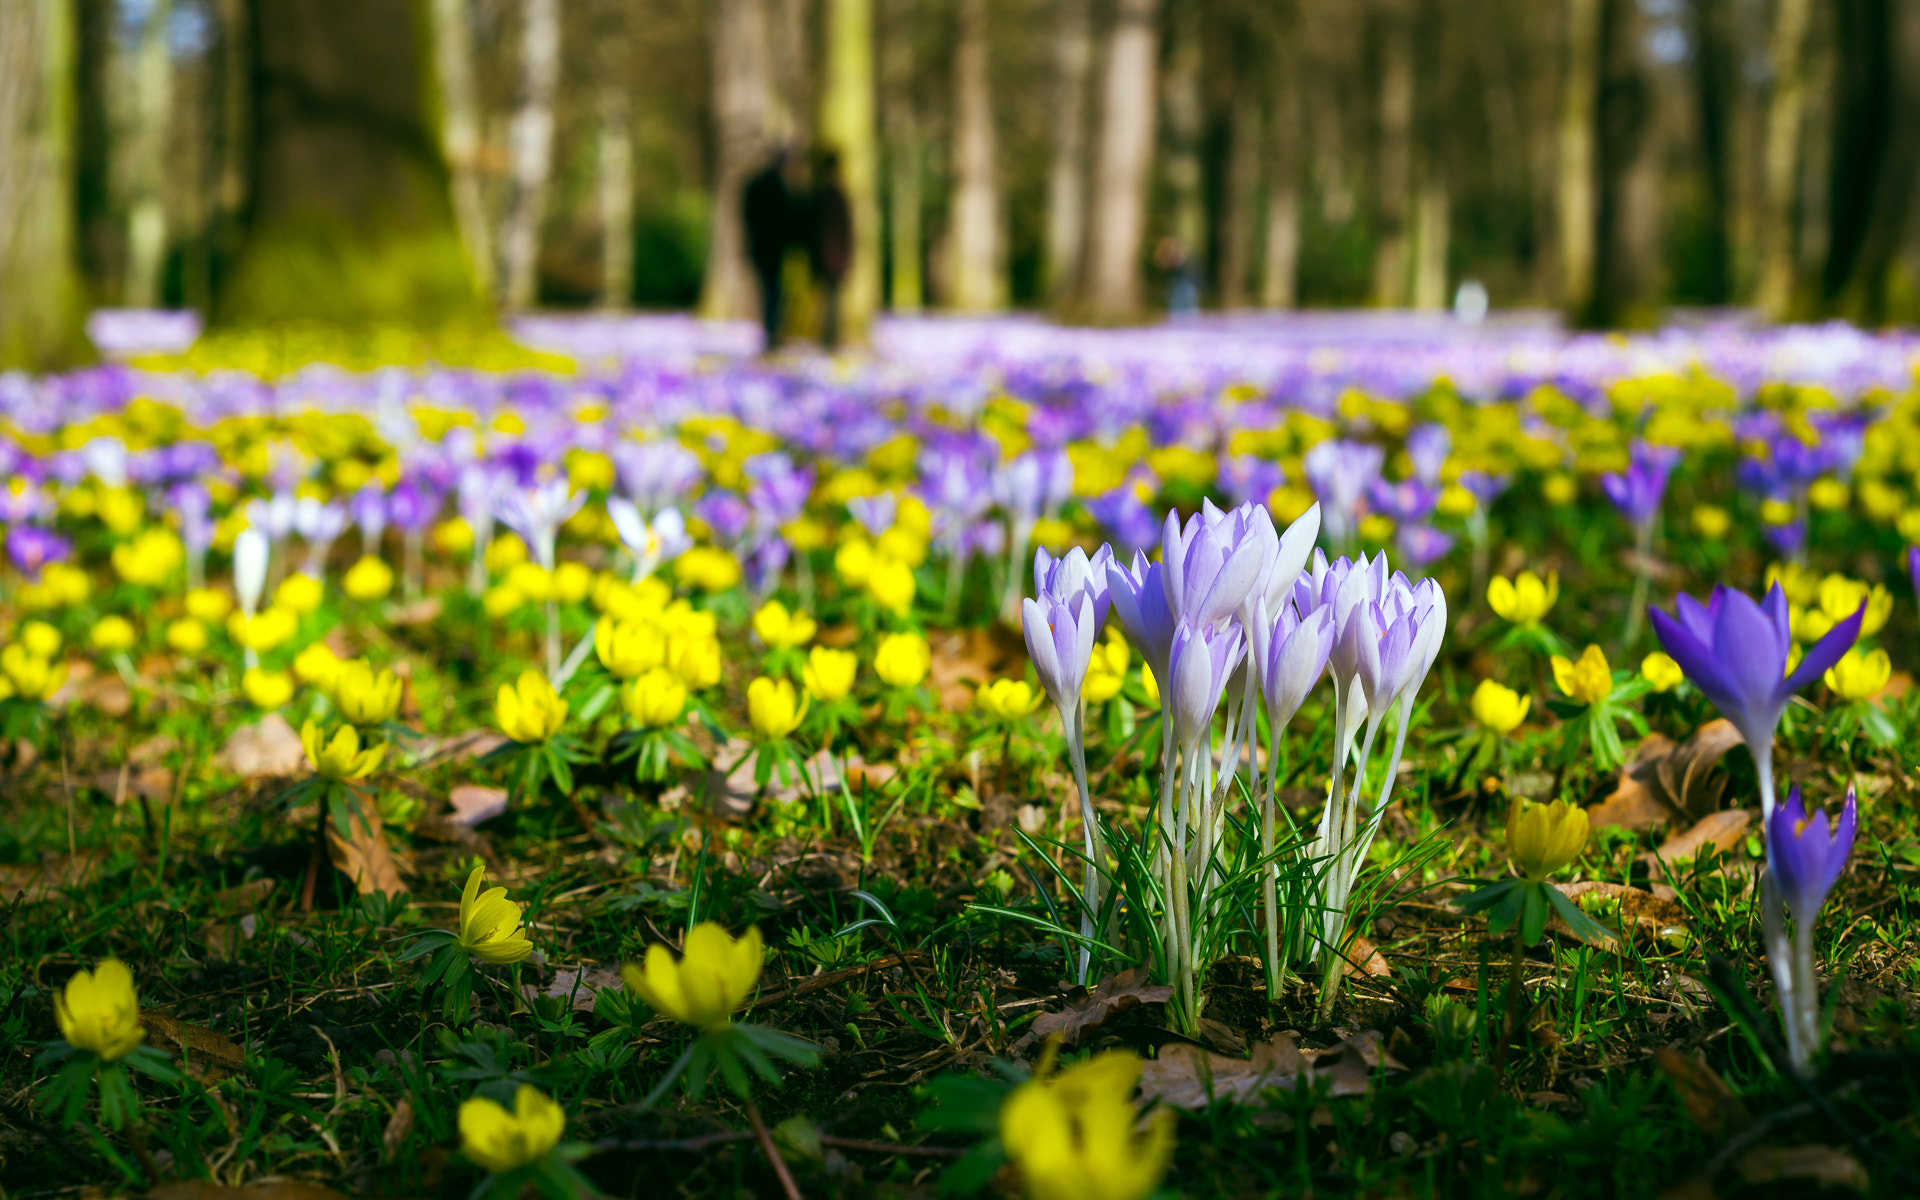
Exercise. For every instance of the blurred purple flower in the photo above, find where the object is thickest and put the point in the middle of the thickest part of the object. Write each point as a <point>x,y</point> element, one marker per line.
<point>725,513</point>
<point>1340,472</point>
<point>1420,545</point>
<point>1130,522</point>
<point>1428,447</point>
<point>875,513</point>
<point>1407,501</point>
<point>655,473</point>
<point>1248,478</point>
<point>1638,491</point>
<point>30,548</point>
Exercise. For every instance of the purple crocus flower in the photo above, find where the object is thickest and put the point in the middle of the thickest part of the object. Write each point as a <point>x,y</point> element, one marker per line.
<point>1428,447</point>
<point>1199,662</point>
<point>1407,501</point>
<point>725,513</point>
<point>1485,485</point>
<point>23,500</point>
<point>1340,472</point>
<point>1068,579</point>
<point>1913,566</point>
<point>1032,485</point>
<point>1289,654</point>
<point>1638,491</point>
<point>1735,651</point>
<point>1126,517</point>
<point>1421,544</point>
<point>414,504</point>
<point>1787,538</point>
<point>30,548</point>
<point>1140,601</point>
<point>875,513</point>
<point>1805,857</point>
<point>1213,562</point>
<point>368,508</point>
<point>1249,479</point>
<point>777,489</point>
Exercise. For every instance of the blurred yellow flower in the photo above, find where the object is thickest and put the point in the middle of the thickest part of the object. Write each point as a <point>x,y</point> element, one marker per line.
<point>1376,528</point>
<point>363,697</point>
<point>1077,1136</point>
<point>1498,708</point>
<point>695,658</point>
<point>1777,512</point>
<point>529,711</point>
<point>656,698</point>
<point>490,923</point>
<point>1859,676</point>
<point>1456,501</point>
<point>1559,489</point>
<point>1107,669</point>
<point>299,593</point>
<point>501,601</point>
<point>1660,670</point>
<point>1150,684</point>
<point>262,632</point>
<point>453,536</point>
<point>891,585</point>
<point>186,635</point>
<point>318,667</point>
<point>98,1011</point>
<point>703,988</point>
<point>708,568</point>
<point>266,689</point>
<point>773,708</point>
<point>1828,495</point>
<point>120,509</point>
<point>499,1141</point>
<point>1587,679</point>
<point>209,604</point>
<point>571,582</point>
<point>853,561</point>
<point>779,629</point>
<point>41,639</point>
<point>829,674</point>
<point>29,675</point>
<point>1841,597</point>
<point>150,558</point>
<point>628,648</point>
<point>367,580</point>
<point>1524,599</point>
<point>531,580</point>
<point>1543,838</point>
<point>1007,699</point>
<point>112,635</point>
<point>902,544</point>
<point>503,552</point>
<point>1711,521</point>
<point>902,660</point>
<point>341,760</point>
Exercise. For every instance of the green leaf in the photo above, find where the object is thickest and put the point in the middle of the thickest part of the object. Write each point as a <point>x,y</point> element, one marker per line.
<point>1533,917</point>
<point>1583,926</point>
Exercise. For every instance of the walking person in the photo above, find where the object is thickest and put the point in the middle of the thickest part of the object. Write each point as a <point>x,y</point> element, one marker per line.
<point>830,248</point>
<point>768,209</point>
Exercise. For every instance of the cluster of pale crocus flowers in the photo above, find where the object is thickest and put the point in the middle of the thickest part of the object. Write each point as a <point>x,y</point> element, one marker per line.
<point>1233,613</point>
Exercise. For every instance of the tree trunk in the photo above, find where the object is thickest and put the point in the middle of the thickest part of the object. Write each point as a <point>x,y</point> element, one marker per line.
<point>1432,227</point>
<point>145,161</point>
<point>531,150</point>
<point>350,220</point>
<point>906,282</point>
<point>1715,81</point>
<point>1393,184</point>
<point>1782,155</point>
<point>792,97</point>
<point>1280,265</point>
<point>1876,165</point>
<point>460,133</point>
<point>978,272</point>
<point>1628,232</point>
<point>741,88</point>
<point>1578,106</point>
<point>1185,119</point>
<point>1066,178</point>
<point>1243,186</point>
<point>615,164</point>
<point>847,126</point>
<point>1119,213</point>
<point>41,306</point>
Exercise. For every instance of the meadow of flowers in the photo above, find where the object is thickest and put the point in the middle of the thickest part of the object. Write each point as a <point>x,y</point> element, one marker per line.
<point>1327,756</point>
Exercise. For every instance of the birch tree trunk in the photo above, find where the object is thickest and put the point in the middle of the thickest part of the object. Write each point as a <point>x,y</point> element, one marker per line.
<point>1066,178</point>
<point>1118,219</point>
<point>460,133</point>
<point>145,159</point>
<point>350,219</point>
<point>1280,264</point>
<point>847,124</point>
<point>1393,183</point>
<point>1432,229</point>
<point>1243,186</point>
<point>531,152</point>
<point>40,293</point>
<point>1185,117</point>
<point>978,272</point>
<point>906,282</point>
<point>1578,105</point>
<point>615,166</point>
<point>741,89</point>
<point>1782,156</point>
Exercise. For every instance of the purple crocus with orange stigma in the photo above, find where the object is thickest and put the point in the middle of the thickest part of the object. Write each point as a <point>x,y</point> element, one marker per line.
<point>1805,856</point>
<point>1735,651</point>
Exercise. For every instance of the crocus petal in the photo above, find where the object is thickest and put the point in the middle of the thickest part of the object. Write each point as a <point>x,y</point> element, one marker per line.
<point>1824,653</point>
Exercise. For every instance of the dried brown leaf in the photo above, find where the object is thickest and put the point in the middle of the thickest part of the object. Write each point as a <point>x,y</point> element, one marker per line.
<point>1828,1166</point>
<point>273,1188</point>
<point>1186,1076</point>
<point>269,746</point>
<point>201,1046</point>
<point>1114,995</point>
<point>1643,910</point>
<point>363,855</point>
<point>1708,1100</point>
<point>1669,780</point>
<point>473,803</point>
<point>1722,830</point>
<point>34,882</point>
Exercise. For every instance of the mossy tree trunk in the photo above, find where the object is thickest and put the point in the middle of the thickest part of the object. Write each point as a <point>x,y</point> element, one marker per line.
<point>350,221</point>
<point>41,306</point>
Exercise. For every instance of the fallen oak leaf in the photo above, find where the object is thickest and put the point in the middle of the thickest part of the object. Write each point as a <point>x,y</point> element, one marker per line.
<point>1668,779</point>
<point>1113,995</point>
<point>362,854</point>
<point>268,746</point>
<point>1187,1076</point>
<point>1712,1105</point>
<point>1828,1166</point>
<point>192,1042</point>
<point>1722,830</point>
<point>1647,912</point>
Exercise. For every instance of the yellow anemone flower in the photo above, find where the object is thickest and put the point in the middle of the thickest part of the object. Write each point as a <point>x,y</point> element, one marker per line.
<point>779,629</point>
<point>902,660</point>
<point>500,1141</point>
<point>1524,599</point>
<point>365,698</point>
<point>368,579</point>
<point>1077,1136</point>
<point>1660,670</point>
<point>266,689</point>
<point>773,708</point>
<point>695,658</point>
<point>112,635</point>
<point>529,711</point>
<point>829,674</point>
<point>341,759</point>
<point>656,699</point>
<point>1859,676</point>
<point>628,648</point>
<point>1588,679</point>
<point>1543,838</point>
<point>1498,708</point>
<point>490,923</point>
<point>703,988</point>
<point>1008,699</point>
<point>891,585</point>
<point>99,1011</point>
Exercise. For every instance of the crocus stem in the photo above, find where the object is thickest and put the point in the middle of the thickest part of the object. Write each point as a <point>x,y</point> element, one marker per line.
<point>477,568</point>
<point>1806,992</point>
<point>553,639</point>
<point>1780,964</point>
<point>412,564</point>
<point>1637,607</point>
<point>1090,829</point>
<point>1276,970</point>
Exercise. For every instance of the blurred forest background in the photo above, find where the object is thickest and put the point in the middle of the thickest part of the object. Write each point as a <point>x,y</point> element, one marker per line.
<point>435,160</point>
